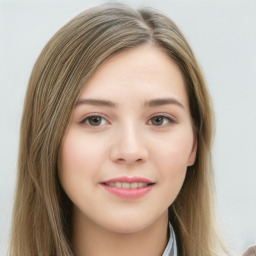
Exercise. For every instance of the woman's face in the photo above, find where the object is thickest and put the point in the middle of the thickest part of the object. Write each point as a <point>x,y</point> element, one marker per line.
<point>130,139</point>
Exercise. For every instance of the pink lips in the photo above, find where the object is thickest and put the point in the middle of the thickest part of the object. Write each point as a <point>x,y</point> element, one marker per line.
<point>128,193</point>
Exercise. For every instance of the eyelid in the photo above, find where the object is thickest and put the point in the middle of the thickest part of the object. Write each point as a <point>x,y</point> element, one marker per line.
<point>171,118</point>
<point>83,120</point>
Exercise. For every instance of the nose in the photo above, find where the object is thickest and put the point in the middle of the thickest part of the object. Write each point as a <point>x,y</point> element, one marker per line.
<point>129,147</point>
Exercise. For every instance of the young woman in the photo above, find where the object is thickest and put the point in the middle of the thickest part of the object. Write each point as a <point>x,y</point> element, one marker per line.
<point>115,143</point>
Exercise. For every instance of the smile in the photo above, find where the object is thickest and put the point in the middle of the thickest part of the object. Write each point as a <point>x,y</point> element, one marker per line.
<point>128,187</point>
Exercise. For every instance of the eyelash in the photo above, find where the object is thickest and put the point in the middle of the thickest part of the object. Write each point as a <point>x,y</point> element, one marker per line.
<point>86,120</point>
<point>167,119</point>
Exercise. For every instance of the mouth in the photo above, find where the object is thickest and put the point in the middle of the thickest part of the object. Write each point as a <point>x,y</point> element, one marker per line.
<point>128,187</point>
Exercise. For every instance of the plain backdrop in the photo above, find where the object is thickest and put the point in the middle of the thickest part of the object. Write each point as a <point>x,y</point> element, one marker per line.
<point>223,37</point>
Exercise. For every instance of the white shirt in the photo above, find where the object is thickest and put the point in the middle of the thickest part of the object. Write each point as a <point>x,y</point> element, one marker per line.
<point>171,248</point>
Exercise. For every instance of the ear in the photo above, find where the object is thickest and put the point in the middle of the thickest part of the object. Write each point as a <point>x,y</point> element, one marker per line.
<point>192,156</point>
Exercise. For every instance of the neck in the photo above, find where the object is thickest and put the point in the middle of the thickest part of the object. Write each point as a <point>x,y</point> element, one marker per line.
<point>90,239</point>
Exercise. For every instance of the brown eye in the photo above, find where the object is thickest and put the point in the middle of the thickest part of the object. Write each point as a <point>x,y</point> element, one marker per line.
<point>160,120</point>
<point>95,121</point>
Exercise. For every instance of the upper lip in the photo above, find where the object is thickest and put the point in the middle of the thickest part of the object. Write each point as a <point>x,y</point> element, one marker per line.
<point>128,179</point>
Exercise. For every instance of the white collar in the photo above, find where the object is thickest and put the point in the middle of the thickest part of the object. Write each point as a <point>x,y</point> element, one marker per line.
<point>171,248</point>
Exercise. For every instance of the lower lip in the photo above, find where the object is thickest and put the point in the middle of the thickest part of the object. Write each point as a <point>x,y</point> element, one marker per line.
<point>128,193</point>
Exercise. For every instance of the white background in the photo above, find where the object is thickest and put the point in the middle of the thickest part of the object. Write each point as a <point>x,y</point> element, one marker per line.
<point>223,36</point>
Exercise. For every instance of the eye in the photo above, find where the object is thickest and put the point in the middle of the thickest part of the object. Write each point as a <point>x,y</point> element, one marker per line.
<point>94,121</point>
<point>160,120</point>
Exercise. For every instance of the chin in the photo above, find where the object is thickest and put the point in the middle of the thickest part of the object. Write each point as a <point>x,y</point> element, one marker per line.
<point>129,225</point>
<point>128,228</point>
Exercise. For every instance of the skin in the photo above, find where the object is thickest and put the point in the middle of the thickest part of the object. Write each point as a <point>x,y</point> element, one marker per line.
<point>135,135</point>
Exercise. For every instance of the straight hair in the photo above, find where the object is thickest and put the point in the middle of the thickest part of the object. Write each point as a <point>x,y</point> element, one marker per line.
<point>42,211</point>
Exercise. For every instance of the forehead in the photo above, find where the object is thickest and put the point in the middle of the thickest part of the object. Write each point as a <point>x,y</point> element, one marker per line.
<point>145,71</point>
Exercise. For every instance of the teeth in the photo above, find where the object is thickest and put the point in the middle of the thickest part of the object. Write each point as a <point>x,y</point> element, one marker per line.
<point>127,185</point>
<point>134,185</point>
<point>118,184</point>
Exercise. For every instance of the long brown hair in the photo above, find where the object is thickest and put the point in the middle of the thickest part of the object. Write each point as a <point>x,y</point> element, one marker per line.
<point>42,211</point>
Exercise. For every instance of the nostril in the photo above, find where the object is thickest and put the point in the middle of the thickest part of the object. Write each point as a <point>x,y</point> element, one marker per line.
<point>140,160</point>
<point>127,153</point>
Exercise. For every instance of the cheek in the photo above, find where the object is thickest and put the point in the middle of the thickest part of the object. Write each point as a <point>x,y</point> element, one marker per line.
<point>79,152</point>
<point>79,165</point>
<point>73,154</point>
<point>171,159</point>
<point>174,150</point>
<point>77,160</point>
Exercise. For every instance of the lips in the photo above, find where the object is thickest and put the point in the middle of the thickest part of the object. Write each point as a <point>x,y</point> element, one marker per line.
<point>128,187</point>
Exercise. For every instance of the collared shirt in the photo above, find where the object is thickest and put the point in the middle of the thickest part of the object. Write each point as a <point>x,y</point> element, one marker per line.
<point>171,248</point>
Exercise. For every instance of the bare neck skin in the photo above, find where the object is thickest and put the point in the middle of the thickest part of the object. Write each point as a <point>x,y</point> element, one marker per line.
<point>90,239</point>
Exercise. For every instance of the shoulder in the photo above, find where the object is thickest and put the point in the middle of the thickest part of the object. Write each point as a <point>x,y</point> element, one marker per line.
<point>251,251</point>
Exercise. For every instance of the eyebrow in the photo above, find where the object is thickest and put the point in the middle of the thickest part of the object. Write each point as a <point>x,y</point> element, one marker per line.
<point>163,101</point>
<point>96,102</point>
<point>150,103</point>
